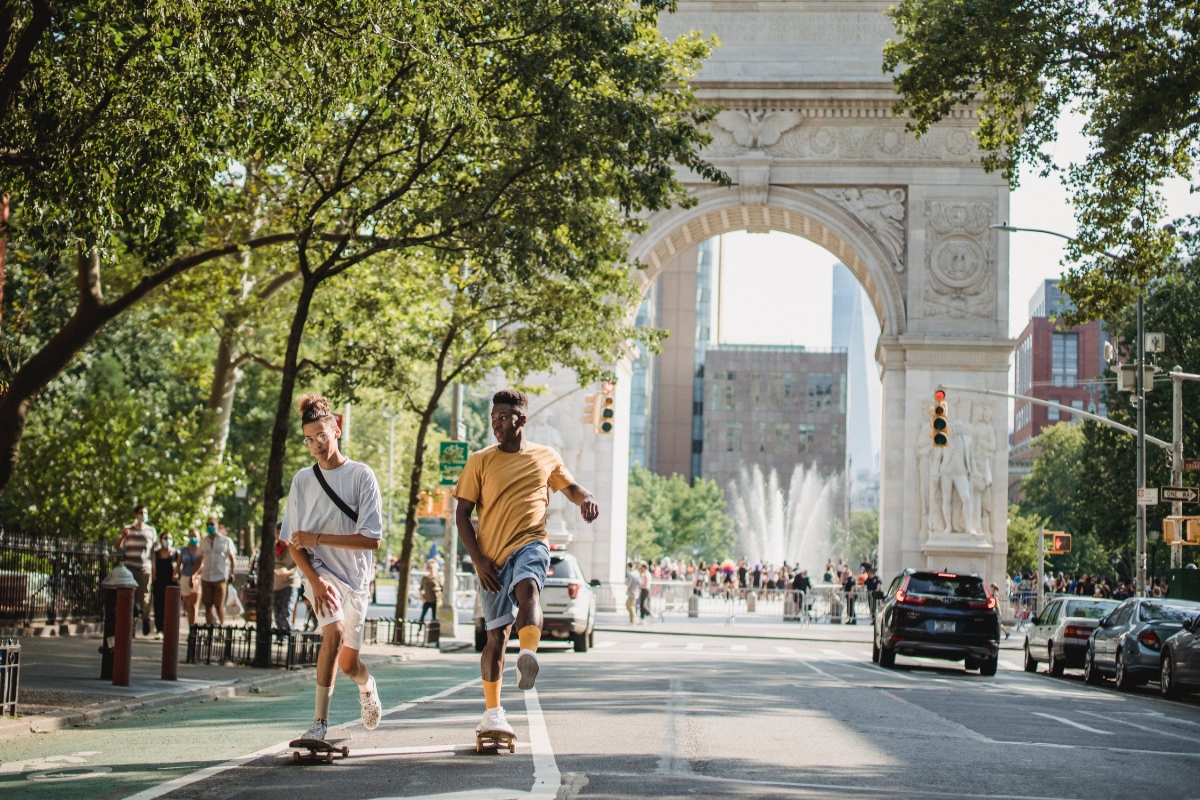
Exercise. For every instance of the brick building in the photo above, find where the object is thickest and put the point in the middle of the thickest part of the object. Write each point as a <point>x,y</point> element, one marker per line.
<point>1063,365</point>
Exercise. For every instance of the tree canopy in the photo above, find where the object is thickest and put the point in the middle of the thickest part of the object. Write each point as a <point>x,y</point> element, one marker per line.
<point>669,517</point>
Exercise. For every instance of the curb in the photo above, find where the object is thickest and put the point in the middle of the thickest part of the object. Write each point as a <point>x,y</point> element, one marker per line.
<point>59,720</point>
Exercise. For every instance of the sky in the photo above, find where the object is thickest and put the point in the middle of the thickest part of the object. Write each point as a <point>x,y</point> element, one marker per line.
<point>777,288</point>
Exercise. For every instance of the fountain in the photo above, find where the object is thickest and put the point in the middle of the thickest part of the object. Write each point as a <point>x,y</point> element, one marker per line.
<point>773,527</point>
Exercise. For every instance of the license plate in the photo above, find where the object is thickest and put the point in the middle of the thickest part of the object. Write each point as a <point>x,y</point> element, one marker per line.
<point>943,626</point>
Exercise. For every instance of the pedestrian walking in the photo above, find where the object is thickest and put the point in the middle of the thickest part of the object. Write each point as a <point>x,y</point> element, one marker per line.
<point>848,586</point>
<point>137,543</point>
<point>333,525</point>
<point>510,484</point>
<point>286,584</point>
<point>164,575</point>
<point>431,590</point>
<point>643,593</point>
<point>216,571</point>
<point>189,576</point>
<point>871,584</point>
<point>632,582</point>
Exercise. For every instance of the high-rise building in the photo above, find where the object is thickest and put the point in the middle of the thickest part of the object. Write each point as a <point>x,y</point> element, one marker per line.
<point>847,334</point>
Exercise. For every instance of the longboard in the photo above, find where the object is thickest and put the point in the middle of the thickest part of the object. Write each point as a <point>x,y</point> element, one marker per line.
<point>495,740</point>
<point>323,749</point>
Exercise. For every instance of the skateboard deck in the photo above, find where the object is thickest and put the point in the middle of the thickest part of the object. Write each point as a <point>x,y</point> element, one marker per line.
<point>495,740</point>
<point>318,749</point>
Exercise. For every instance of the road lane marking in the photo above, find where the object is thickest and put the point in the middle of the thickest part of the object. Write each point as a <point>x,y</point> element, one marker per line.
<point>672,758</point>
<point>606,644</point>
<point>1132,750</point>
<point>649,645</point>
<point>546,777</point>
<point>820,671</point>
<point>1072,723</point>
<point>787,651</point>
<point>830,652</point>
<point>1146,728</point>
<point>738,648</point>
<point>869,790</point>
<point>695,646</point>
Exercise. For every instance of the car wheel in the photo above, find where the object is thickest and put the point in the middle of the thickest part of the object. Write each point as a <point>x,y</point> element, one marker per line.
<point>1091,673</point>
<point>989,666</point>
<point>874,651</point>
<point>1030,661</point>
<point>480,638</point>
<point>581,642</point>
<point>1167,685</point>
<point>887,657</point>
<point>1056,664</point>
<point>1125,681</point>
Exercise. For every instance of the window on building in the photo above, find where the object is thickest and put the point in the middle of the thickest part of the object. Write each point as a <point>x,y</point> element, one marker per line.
<point>820,391</point>
<point>805,431</point>
<point>708,435</point>
<point>842,393</point>
<point>1024,377</point>
<point>1064,359</point>
<point>758,391</point>
<point>733,437</point>
<point>761,444</point>
<point>775,392</point>
<point>1052,413</point>
<point>833,439</point>
<point>783,437</point>
<point>1023,416</point>
<point>788,391</point>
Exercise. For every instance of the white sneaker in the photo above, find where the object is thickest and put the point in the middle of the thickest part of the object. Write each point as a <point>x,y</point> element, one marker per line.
<point>527,669</point>
<point>494,721</point>
<point>319,729</point>
<point>372,709</point>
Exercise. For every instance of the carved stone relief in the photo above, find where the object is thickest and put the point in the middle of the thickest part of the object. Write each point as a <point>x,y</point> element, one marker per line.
<point>755,130</point>
<point>960,259</point>
<point>788,134</point>
<point>881,211</point>
<point>955,483</point>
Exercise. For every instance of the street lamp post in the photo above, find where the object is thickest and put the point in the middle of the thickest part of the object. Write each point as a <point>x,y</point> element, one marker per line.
<point>1139,396</point>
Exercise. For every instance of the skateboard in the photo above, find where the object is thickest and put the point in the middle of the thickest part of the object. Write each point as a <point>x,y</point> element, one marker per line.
<point>324,749</point>
<point>495,740</point>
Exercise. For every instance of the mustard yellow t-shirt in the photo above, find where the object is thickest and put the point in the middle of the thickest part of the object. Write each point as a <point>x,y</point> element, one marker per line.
<point>511,492</point>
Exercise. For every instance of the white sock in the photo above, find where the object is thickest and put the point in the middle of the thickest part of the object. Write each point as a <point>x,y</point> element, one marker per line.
<point>324,695</point>
<point>527,650</point>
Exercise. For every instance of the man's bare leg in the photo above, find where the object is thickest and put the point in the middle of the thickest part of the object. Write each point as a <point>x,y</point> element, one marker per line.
<point>529,631</point>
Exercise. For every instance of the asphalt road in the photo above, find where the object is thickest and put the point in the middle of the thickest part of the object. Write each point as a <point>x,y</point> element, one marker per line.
<point>650,715</point>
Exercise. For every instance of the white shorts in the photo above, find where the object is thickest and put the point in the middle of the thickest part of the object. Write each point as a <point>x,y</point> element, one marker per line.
<point>352,611</point>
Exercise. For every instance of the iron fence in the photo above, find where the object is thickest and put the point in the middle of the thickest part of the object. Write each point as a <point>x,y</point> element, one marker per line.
<point>389,630</point>
<point>50,579</point>
<point>208,644</point>
<point>10,676</point>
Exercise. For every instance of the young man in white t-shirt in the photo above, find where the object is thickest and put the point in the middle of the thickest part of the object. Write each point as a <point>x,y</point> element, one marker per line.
<point>332,542</point>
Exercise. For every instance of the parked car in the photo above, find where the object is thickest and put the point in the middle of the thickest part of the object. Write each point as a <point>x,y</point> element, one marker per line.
<point>1127,644</point>
<point>1059,635</point>
<point>937,615</point>
<point>1179,668</point>
<point>568,604</point>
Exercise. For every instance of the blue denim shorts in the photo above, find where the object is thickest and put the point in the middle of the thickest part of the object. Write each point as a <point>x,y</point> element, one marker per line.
<point>531,561</point>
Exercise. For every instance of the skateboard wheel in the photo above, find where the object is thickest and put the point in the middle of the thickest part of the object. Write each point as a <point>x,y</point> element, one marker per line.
<point>345,752</point>
<point>295,757</point>
<point>512,745</point>
<point>478,746</point>
<point>329,758</point>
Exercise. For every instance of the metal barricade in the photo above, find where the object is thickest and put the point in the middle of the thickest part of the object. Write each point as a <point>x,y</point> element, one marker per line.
<point>10,676</point>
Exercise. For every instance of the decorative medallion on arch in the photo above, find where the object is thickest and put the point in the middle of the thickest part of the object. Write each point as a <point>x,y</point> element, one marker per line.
<point>960,259</point>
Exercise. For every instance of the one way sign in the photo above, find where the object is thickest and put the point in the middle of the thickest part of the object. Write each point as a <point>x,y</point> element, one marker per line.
<point>1183,494</point>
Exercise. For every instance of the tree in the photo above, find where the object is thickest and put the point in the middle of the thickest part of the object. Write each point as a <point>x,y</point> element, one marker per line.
<point>1132,68</point>
<point>509,169</point>
<point>1053,481</point>
<point>1022,540</point>
<point>670,517</point>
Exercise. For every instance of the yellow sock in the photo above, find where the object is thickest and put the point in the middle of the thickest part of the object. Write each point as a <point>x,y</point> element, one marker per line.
<point>530,636</point>
<point>491,693</point>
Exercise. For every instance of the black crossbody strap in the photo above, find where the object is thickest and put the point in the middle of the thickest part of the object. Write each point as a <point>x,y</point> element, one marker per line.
<point>337,501</point>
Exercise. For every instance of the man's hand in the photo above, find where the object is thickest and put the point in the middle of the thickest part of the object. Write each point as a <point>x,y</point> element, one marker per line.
<point>589,509</point>
<point>489,575</point>
<point>325,596</point>
<point>305,539</point>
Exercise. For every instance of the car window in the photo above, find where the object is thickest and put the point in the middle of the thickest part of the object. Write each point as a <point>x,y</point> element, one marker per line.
<point>562,567</point>
<point>1122,614</point>
<point>1089,610</point>
<point>1050,616</point>
<point>1165,612</point>
<point>895,585</point>
<point>945,585</point>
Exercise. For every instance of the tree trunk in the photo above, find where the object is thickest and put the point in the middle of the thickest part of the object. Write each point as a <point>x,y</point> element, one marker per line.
<point>220,399</point>
<point>414,499</point>
<point>273,492</point>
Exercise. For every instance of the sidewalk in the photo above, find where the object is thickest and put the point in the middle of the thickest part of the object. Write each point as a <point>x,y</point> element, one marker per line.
<point>755,626</point>
<point>60,684</point>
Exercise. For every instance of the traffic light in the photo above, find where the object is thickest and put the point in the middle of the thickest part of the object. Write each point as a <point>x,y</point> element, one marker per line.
<point>939,423</point>
<point>1181,530</point>
<point>1060,543</point>
<point>591,411</point>
<point>608,411</point>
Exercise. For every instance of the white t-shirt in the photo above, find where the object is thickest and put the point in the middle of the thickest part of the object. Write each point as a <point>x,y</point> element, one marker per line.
<point>216,551</point>
<point>310,509</point>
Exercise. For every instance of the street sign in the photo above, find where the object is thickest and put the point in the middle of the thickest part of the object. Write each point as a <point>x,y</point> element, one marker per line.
<point>1147,497</point>
<point>1182,494</point>
<point>452,457</point>
<point>1155,342</point>
<point>1191,464</point>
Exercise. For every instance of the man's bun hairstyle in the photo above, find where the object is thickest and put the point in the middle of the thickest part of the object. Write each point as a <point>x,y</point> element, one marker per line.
<point>312,407</point>
<point>511,397</point>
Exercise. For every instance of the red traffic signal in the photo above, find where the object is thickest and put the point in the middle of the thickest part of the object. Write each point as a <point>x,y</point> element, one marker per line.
<point>1060,543</point>
<point>939,421</point>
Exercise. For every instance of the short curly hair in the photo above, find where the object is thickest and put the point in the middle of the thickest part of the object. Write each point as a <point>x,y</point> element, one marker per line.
<point>511,397</point>
<point>312,408</point>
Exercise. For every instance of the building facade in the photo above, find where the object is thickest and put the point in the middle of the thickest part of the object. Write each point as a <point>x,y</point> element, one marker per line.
<point>1063,365</point>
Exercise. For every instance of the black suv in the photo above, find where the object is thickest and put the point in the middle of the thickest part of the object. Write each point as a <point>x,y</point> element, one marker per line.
<point>937,615</point>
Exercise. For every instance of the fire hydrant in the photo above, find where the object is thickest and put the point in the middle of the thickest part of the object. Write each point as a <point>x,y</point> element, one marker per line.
<point>116,651</point>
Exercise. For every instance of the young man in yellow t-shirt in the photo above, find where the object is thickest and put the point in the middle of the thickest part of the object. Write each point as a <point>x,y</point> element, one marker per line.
<point>509,484</point>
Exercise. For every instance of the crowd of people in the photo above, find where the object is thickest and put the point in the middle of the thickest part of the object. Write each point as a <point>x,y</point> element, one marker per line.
<point>1085,585</point>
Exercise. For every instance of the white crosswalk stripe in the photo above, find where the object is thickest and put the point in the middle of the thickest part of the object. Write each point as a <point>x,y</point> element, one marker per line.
<point>738,648</point>
<point>695,646</point>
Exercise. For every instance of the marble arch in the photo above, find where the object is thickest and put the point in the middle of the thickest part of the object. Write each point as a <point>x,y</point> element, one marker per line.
<point>808,136</point>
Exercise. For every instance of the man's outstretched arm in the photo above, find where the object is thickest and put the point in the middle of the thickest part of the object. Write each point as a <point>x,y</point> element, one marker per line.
<point>589,509</point>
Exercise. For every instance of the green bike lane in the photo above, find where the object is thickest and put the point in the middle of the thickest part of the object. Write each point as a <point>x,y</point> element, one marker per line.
<point>119,758</point>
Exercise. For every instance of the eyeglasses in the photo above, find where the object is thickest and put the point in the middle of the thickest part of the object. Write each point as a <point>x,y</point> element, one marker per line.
<point>321,438</point>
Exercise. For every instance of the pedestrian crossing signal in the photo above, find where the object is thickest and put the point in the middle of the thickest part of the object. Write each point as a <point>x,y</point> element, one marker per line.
<point>939,422</point>
<point>591,411</point>
<point>1181,530</point>
<point>1060,543</point>
<point>608,410</point>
